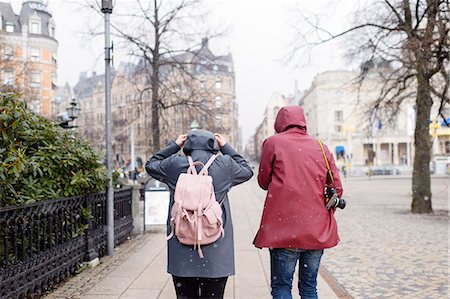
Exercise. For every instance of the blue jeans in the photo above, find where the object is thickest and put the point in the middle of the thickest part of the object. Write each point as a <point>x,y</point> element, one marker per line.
<point>282,267</point>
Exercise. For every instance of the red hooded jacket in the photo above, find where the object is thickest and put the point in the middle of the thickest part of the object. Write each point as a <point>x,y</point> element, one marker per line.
<point>294,173</point>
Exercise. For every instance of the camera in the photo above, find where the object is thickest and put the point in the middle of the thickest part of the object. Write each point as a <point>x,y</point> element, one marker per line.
<point>332,200</point>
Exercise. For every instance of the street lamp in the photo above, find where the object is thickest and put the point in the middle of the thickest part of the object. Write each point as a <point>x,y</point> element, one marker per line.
<point>72,112</point>
<point>107,8</point>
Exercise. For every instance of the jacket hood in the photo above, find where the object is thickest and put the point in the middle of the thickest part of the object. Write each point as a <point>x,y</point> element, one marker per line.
<point>290,116</point>
<point>200,140</point>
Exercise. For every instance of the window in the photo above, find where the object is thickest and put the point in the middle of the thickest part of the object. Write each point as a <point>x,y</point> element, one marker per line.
<point>338,129</point>
<point>8,52</point>
<point>54,81</point>
<point>35,79</point>
<point>9,27</point>
<point>275,111</point>
<point>204,104</point>
<point>218,83</point>
<point>338,116</point>
<point>202,84</point>
<point>35,54</point>
<point>35,28</point>
<point>52,31</point>
<point>54,58</point>
<point>204,121</point>
<point>35,105</point>
<point>218,101</point>
<point>218,122</point>
<point>8,76</point>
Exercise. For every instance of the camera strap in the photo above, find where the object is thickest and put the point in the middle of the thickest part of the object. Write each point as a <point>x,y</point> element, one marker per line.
<point>326,161</point>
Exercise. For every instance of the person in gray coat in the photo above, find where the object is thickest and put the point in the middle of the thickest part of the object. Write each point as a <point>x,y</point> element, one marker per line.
<point>193,276</point>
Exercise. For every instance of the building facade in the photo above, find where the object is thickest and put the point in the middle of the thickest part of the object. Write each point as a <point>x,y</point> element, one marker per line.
<point>29,54</point>
<point>266,127</point>
<point>337,110</point>
<point>205,98</point>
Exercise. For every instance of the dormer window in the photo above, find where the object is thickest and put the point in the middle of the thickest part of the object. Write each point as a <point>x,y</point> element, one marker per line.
<point>9,27</point>
<point>35,28</point>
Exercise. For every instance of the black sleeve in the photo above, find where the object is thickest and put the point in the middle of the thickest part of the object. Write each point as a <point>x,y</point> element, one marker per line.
<point>159,165</point>
<point>241,172</point>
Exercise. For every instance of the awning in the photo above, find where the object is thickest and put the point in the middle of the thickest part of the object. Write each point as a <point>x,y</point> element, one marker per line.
<point>340,149</point>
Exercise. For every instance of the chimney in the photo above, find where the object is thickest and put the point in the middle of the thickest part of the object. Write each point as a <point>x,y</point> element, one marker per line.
<point>205,42</point>
<point>83,76</point>
<point>94,73</point>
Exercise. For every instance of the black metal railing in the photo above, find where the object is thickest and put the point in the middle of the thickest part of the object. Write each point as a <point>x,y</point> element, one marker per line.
<point>44,242</point>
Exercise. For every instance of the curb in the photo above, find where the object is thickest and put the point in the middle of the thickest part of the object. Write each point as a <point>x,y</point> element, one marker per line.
<point>337,288</point>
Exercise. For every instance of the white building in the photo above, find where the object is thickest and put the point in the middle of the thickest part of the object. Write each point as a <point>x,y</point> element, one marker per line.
<point>336,108</point>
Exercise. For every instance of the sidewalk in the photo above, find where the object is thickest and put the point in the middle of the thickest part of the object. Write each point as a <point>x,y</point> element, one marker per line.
<point>138,268</point>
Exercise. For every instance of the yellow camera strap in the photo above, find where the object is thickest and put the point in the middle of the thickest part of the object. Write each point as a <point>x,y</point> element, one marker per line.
<point>326,160</point>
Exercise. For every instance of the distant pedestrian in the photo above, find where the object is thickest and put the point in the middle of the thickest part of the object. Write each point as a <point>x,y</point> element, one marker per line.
<point>296,224</point>
<point>193,276</point>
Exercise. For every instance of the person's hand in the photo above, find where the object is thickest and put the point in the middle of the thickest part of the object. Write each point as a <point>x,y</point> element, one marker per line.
<point>181,140</point>
<point>220,139</point>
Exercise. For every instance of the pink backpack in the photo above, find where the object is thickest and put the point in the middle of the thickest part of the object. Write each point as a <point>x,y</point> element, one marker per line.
<point>196,216</point>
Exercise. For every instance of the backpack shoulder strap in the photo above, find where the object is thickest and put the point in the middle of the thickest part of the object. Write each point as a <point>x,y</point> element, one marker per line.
<point>204,170</point>
<point>191,168</point>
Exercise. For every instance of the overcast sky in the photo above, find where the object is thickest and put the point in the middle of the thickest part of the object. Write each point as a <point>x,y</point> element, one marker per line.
<point>259,37</point>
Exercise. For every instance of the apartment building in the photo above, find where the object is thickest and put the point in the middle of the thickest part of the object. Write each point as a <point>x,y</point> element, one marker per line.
<point>28,60</point>
<point>202,95</point>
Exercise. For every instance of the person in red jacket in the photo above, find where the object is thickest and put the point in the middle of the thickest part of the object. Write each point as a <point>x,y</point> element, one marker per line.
<point>296,225</point>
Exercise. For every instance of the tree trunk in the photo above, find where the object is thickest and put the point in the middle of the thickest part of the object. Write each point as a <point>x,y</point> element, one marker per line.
<point>155,122</point>
<point>155,81</point>
<point>421,183</point>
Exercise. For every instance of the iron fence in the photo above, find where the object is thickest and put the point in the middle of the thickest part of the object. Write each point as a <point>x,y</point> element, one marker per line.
<point>43,243</point>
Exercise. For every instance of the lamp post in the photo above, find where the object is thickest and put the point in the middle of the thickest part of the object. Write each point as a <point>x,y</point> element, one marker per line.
<point>73,111</point>
<point>107,8</point>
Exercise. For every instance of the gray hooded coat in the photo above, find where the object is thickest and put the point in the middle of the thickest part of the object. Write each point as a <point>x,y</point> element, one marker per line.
<point>227,171</point>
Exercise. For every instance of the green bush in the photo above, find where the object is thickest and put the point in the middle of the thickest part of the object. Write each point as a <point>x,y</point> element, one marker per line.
<point>39,160</point>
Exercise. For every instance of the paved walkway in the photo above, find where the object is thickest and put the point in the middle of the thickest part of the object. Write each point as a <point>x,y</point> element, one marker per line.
<point>385,251</point>
<point>138,268</point>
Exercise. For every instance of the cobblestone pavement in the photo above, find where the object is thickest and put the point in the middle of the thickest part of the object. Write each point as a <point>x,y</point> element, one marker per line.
<point>385,251</point>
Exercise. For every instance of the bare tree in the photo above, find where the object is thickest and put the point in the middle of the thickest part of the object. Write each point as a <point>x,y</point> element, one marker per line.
<point>413,37</point>
<point>167,43</point>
